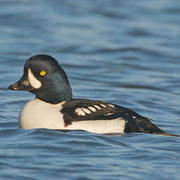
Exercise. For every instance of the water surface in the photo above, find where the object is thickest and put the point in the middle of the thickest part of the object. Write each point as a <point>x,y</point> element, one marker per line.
<point>124,52</point>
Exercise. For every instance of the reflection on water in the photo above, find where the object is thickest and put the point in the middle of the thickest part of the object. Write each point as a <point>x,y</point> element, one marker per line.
<point>125,52</point>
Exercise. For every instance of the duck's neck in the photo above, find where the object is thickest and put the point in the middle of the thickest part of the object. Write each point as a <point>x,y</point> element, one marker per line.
<point>54,92</point>
<point>53,99</point>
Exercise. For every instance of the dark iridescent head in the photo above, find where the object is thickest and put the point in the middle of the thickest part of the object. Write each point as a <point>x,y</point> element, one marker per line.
<point>44,77</point>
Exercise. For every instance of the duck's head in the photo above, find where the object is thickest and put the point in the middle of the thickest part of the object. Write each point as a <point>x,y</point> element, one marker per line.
<point>44,77</point>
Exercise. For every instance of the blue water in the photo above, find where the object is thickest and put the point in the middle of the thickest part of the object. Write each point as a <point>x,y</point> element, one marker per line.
<point>124,52</point>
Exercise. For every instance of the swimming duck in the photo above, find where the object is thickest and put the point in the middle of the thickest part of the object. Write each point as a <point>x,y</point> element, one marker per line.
<point>55,108</point>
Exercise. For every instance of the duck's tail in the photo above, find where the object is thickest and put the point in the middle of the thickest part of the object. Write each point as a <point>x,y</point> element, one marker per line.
<point>168,134</point>
<point>144,125</point>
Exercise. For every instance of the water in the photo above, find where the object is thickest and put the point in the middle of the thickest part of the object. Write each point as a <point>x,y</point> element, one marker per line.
<point>124,52</point>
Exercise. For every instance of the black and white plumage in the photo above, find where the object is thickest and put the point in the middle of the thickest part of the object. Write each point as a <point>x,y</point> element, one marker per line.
<point>89,110</point>
<point>54,107</point>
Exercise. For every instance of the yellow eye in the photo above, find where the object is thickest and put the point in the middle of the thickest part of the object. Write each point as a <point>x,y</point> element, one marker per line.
<point>42,73</point>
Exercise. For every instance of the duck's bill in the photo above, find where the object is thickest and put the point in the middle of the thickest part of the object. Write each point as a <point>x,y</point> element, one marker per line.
<point>22,85</point>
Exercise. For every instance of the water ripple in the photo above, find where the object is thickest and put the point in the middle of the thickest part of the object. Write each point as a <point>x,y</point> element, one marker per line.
<point>124,52</point>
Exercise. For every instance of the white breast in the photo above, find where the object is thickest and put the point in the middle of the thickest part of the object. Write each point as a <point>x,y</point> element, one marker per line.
<point>38,114</point>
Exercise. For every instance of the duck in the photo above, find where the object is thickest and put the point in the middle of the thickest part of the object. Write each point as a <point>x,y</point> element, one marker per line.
<point>54,106</point>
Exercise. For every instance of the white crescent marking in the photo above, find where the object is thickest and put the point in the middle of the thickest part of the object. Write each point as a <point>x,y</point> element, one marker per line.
<point>35,83</point>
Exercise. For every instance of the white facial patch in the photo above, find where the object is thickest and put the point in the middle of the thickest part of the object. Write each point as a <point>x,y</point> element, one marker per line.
<point>33,81</point>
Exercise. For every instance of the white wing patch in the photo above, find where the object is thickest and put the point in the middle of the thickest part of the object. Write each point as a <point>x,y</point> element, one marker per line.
<point>111,105</point>
<point>83,111</point>
<point>97,107</point>
<point>108,114</point>
<point>92,109</point>
<point>87,111</point>
<point>103,105</point>
<point>33,81</point>
<point>80,112</point>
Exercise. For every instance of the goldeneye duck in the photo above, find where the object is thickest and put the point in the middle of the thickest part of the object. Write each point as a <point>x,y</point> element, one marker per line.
<point>55,108</point>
